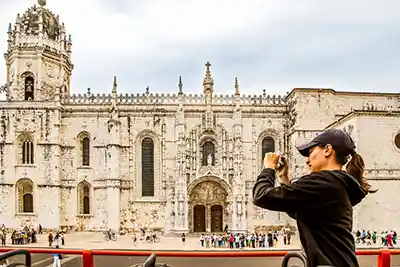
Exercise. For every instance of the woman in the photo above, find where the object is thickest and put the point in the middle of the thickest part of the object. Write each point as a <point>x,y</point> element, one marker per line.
<point>322,201</point>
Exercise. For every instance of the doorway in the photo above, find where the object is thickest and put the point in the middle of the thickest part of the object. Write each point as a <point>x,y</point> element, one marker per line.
<point>199,218</point>
<point>216,218</point>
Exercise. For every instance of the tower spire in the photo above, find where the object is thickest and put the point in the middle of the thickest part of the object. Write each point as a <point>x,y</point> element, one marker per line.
<point>114,89</point>
<point>236,87</point>
<point>208,85</point>
<point>208,80</point>
<point>180,86</point>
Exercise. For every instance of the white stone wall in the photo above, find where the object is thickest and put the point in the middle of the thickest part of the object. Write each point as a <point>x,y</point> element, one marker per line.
<point>59,162</point>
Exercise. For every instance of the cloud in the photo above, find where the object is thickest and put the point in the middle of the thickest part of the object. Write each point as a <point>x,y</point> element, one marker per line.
<point>271,44</point>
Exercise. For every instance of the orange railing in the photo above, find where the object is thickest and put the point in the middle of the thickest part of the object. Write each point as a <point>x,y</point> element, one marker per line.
<point>384,255</point>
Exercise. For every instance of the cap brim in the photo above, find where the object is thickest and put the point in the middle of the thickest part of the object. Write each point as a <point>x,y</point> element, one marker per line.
<point>305,149</point>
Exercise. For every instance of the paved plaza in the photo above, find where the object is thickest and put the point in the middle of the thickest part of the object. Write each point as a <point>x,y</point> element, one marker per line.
<point>93,240</point>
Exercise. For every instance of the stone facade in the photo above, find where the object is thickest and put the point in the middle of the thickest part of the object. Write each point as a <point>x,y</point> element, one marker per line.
<point>177,162</point>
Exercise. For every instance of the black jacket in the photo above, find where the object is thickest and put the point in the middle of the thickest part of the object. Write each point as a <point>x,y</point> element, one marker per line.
<point>322,203</point>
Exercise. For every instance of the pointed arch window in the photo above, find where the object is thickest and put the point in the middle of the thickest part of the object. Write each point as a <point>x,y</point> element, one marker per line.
<point>26,149</point>
<point>267,145</point>
<point>84,198</point>
<point>24,188</point>
<point>208,157</point>
<point>86,151</point>
<point>147,167</point>
<point>84,142</point>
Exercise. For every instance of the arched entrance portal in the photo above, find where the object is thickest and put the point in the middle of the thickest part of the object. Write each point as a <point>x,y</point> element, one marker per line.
<point>207,202</point>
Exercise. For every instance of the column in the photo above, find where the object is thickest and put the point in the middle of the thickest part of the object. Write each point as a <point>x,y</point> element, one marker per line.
<point>208,218</point>
<point>113,190</point>
<point>234,220</point>
<point>113,180</point>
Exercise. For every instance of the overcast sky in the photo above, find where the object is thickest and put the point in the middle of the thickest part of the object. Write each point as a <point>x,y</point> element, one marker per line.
<point>273,44</point>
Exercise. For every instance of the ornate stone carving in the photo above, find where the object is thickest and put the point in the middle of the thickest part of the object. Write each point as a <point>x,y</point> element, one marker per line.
<point>210,170</point>
<point>48,91</point>
<point>28,65</point>
<point>49,70</point>
<point>208,193</point>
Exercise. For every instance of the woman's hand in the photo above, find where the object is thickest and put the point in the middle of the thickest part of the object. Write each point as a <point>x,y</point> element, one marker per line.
<point>283,171</point>
<point>271,160</point>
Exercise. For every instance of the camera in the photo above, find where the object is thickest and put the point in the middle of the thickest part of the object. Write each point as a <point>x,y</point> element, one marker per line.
<point>281,162</point>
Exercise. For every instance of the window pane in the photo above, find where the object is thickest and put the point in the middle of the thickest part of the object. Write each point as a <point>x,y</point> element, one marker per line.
<point>147,167</point>
<point>86,151</point>
<point>268,145</point>
<point>28,203</point>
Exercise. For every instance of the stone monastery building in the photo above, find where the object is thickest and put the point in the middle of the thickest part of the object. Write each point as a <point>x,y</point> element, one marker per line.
<point>178,162</point>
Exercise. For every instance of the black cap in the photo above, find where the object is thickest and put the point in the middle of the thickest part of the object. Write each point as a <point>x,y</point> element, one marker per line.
<point>337,138</point>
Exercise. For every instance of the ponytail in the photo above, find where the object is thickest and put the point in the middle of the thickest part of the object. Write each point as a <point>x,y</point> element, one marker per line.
<point>355,168</point>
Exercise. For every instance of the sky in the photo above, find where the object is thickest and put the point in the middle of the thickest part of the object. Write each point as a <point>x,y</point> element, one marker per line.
<point>275,45</point>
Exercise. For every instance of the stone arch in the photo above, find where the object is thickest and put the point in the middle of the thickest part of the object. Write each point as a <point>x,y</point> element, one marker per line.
<point>210,178</point>
<point>27,74</point>
<point>84,195</point>
<point>208,201</point>
<point>141,136</point>
<point>84,148</point>
<point>28,78</point>
<point>25,148</point>
<point>25,192</point>
<point>267,133</point>
<point>208,145</point>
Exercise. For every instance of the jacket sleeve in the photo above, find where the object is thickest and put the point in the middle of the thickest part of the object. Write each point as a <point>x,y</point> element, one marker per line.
<point>308,192</point>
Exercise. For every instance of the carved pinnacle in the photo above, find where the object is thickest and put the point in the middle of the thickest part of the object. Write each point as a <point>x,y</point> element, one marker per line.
<point>180,86</point>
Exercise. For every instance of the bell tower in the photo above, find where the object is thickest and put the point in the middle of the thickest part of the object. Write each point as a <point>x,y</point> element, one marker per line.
<point>38,56</point>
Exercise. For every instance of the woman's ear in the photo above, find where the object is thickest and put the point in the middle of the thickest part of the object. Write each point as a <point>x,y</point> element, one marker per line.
<point>328,150</point>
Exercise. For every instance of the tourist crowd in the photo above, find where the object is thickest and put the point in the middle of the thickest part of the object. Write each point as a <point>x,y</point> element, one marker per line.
<point>387,238</point>
<point>239,240</point>
<point>22,236</point>
<point>28,235</point>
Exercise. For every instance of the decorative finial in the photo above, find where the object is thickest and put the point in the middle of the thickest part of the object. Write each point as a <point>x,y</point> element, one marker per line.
<point>236,87</point>
<point>147,89</point>
<point>208,80</point>
<point>180,86</point>
<point>114,90</point>
<point>42,3</point>
<point>208,65</point>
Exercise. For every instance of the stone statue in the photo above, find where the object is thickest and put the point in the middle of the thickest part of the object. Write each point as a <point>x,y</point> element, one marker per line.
<point>209,160</point>
<point>231,145</point>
